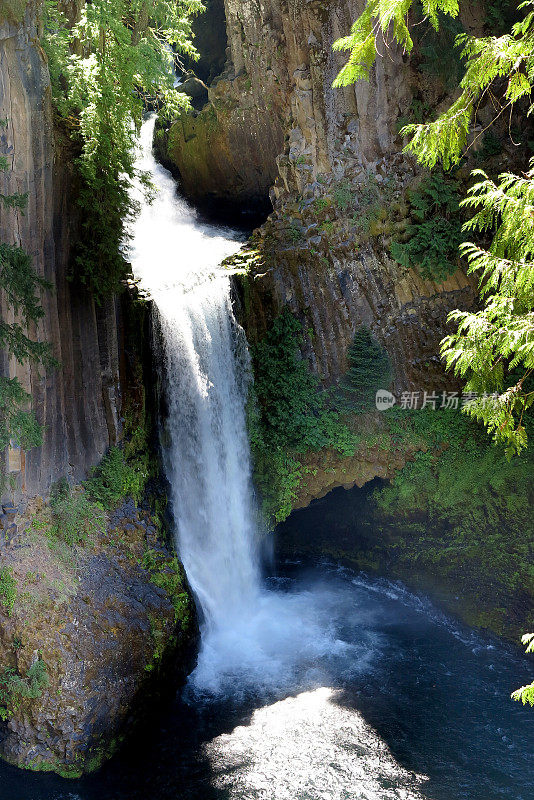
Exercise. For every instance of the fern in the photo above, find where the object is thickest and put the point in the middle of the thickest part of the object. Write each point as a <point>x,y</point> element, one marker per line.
<point>494,347</point>
<point>436,233</point>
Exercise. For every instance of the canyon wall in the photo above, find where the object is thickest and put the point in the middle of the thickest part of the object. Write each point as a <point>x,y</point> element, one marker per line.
<point>328,156</point>
<point>78,402</point>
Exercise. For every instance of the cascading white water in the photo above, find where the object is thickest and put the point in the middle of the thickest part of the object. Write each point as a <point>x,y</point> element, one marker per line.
<point>251,638</point>
<point>207,457</point>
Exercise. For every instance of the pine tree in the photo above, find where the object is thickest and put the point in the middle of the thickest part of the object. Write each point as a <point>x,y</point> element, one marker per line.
<point>369,370</point>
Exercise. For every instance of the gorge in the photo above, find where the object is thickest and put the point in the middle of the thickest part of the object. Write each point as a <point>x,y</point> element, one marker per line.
<point>369,648</point>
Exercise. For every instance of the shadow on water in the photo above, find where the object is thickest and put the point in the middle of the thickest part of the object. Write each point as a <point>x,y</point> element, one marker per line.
<point>443,708</point>
<point>164,760</point>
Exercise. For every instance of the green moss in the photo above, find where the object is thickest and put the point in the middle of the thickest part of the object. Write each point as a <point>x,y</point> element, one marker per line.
<point>13,10</point>
<point>459,513</point>
<point>168,574</point>
<point>8,589</point>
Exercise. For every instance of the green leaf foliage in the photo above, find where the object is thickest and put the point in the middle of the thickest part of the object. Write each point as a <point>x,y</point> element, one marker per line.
<point>14,688</point>
<point>116,478</point>
<point>436,233</point>
<point>380,19</point>
<point>494,348</point>
<point>289,414</point>
<point>21,287</point>
<point>75,519</point>
<point>17,424</point>
<point>8,588</point>
<point>105,66</point>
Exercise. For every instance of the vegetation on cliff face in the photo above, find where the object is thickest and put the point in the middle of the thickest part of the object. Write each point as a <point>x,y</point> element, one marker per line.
<point>14,688</point>
<point>84,586</point>
<point>433,238</point>
<point>21,286</point>
<point>474,510</point>
<point>290,414</point>
<point>104,66</point>
<point>115,478</point>
<point>369,370</point>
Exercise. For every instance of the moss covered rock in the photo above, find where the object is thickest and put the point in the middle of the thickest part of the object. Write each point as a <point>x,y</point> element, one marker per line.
<point>101,614</point>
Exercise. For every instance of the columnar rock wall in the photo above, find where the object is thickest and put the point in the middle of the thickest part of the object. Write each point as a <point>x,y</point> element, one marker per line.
<point>78,402</point>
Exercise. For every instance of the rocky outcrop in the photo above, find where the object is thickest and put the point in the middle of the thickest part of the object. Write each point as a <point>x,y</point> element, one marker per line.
<point>339,189</point>
<point>79,402</point>
<point>209,38</point>
<point>103,618</point>
<point>227,151</point>
<point>335,279</point>
<point>474,560</point>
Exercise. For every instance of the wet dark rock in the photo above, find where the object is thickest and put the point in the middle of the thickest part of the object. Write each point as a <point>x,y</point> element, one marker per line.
<point>196,89</point>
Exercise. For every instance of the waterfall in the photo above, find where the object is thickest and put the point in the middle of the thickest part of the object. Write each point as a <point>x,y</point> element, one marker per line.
<point>207,458</point>
<point>176,256</point>
<point>252,638</point>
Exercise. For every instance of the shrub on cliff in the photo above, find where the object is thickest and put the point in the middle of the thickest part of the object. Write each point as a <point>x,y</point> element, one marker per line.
<point>435,234</point>
<point>14,688</point>
<point>8,589</point>
<point>289,414</point>
<point>116,478</point>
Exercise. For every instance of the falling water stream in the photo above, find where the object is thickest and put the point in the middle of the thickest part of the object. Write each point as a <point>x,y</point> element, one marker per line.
<point>316,684</point>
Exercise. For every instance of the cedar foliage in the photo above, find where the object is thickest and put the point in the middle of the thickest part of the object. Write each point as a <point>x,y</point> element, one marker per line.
<point>493,349</point>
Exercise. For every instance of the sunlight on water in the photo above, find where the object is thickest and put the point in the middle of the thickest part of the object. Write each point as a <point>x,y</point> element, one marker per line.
<point>309,747</point>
